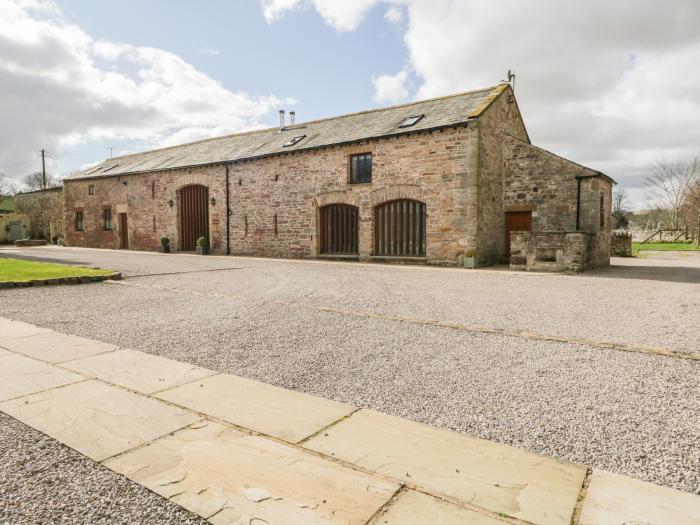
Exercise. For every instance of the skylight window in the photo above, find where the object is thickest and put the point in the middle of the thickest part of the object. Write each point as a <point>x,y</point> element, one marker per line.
<point>293,140</point>
<point>110,168</point>
<point>410,121</point>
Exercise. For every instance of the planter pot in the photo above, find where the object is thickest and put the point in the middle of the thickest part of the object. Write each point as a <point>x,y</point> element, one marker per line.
<point>202,250</point>
<point>164,248</point>
<point>470,262</point>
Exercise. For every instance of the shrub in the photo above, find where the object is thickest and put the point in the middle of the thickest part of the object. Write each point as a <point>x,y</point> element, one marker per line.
<point>164,241</point>
<point>203,241</point>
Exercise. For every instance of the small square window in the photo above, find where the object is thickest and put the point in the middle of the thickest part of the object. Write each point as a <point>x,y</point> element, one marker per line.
<point>410,121</point>
<point>78,221</point>
<point>361,168</point>
<point>91,189</point>
<point>293,140</point>
<point>107,215</point>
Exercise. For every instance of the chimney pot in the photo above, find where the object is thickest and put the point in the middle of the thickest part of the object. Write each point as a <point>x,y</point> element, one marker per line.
<point>281,119</point>
<point>292,114</point>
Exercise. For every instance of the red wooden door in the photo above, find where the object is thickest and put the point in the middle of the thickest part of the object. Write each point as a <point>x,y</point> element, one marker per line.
<point>123,232</point>
<point>517,221</point>
<point>194,216</point>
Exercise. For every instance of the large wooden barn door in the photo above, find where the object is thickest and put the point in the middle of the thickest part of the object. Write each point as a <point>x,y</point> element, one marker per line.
<point>194,216</point>
<point>339,229</point>
<point>399,228</point>
<point>517,221</point>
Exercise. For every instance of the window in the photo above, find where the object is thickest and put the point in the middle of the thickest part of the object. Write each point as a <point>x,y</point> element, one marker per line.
<point>107,214</point>
<point>78,221</point>
<point>410,121</point>
<point>361,168</point>
<point>293,141</point>
<point>602,211</point>
<point>91,189</point>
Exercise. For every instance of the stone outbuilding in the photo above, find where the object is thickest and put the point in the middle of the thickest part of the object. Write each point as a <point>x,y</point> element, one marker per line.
<point>442,181</point>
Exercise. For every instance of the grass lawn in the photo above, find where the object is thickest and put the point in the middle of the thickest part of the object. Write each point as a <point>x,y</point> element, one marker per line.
<point>20,270</point>
<point>664,247</point>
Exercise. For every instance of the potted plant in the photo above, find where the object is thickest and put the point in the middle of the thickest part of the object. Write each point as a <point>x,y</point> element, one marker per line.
<point>164,246</point>
<point>470,259</point>
<point>202,246</point>
<point>59,239</point>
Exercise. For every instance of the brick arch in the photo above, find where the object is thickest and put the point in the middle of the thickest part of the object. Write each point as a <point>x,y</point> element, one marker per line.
<point>397,192</point>
<point>337,197</point>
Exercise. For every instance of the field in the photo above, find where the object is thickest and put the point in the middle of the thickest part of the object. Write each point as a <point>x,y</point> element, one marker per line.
<point>664,247</point>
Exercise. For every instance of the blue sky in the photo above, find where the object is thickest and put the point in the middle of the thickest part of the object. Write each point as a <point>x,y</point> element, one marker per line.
<point>609,85</point>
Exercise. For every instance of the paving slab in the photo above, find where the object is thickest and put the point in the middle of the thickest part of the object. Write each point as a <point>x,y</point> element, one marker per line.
<point>284,414</point>
<point>10,329</point>
<point>231,477</point>
<point>489,475</point>
<point>618,500</point>
<point>416,508</point>
<point>56,348</point>
<point>138,371</point>
<point>96,419</point>
<point>21,376</point>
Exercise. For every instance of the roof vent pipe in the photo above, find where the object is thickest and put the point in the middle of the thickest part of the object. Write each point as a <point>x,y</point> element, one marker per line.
<point>281,119</point>
<point>291,117</point>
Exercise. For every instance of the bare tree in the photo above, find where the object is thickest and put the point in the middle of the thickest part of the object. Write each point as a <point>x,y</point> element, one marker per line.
<point>669,184</point>
<point>619,211</point>
<point>35,181</point>
<point>7,189</point>
<point>691,210</point>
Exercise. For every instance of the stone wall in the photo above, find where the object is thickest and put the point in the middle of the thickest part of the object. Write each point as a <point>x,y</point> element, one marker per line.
<point>621,244</point>
<point>552,251</point>
<point>146,199</point>
<point>288,191</point>
<point>547,185</point>
<point>501,120</point>
<point>7,220</point>
<point>45,210</point>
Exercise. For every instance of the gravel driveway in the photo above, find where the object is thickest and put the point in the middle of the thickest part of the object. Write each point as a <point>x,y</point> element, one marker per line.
<point>364,334</point>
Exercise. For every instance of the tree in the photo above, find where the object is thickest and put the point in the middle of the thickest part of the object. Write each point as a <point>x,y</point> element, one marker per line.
<point>35,181</point>
<point>620,212</point>
<point>669,184</point>
<point>7,189</point>
<point>691,210</point>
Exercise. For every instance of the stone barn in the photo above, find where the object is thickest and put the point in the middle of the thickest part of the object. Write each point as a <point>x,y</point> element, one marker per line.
<point>450,181</point>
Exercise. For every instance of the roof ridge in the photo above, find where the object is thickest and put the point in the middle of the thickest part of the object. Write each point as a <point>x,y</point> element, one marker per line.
<point>298,124</point>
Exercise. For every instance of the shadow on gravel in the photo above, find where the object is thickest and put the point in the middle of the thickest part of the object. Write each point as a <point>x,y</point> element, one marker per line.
<point>672,274</point>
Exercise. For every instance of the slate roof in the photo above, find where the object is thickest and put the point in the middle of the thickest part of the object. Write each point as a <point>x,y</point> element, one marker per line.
<point>438,113</point>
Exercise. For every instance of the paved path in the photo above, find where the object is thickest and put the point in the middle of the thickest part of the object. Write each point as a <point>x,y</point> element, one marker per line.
<point>233,450</point>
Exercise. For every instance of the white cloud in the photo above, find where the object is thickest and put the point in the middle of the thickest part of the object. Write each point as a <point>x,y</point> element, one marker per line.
<point>342,15</point>
<point>391,89</point>
<point>209,51</point>
<point>613,85</point>
<point>394,15</point>
<point>62,87</point>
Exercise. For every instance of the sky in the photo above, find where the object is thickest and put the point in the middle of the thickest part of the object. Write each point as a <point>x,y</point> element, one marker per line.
<point>611,85</point>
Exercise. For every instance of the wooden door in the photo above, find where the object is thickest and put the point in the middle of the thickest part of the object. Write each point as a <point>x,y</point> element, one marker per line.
<point>339,229</point>
<point>194,216</point>
<point>517,221</point>
<point>400,228</point>
<point>123,232</point>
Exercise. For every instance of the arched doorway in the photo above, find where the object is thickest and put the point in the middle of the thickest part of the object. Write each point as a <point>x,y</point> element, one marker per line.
<point>338,229</point>
<point>194,215</point>
<point>400,228</point>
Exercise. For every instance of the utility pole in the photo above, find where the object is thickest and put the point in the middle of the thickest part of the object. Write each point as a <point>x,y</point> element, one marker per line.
<point>43,170</point>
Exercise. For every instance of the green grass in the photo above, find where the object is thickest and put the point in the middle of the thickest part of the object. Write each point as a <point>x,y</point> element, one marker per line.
<point>20,270</point>
<point>664,247</point>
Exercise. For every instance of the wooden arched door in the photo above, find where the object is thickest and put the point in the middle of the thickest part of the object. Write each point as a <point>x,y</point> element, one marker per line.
<point>400,228</point>
<point>339,226</point>
<point>194,215</point>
